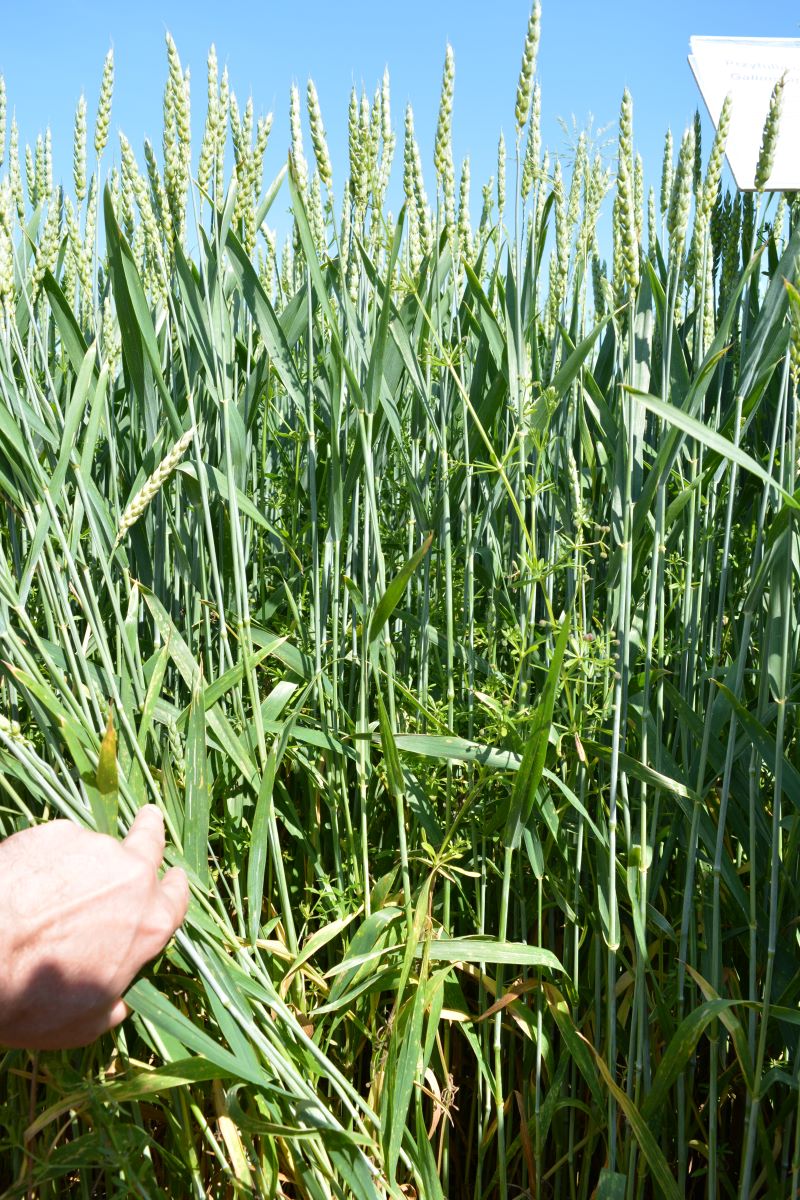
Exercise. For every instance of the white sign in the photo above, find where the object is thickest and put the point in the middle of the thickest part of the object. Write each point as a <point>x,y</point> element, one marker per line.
<point>748,69</point>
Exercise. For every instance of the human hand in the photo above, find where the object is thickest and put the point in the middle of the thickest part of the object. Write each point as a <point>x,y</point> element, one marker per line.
<point>80,914</point>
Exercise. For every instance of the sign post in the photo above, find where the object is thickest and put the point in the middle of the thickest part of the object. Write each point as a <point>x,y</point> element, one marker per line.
<point>748,69</point>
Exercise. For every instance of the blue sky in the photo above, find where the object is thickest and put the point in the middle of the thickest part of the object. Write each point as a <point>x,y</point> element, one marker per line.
<point>589,52</point>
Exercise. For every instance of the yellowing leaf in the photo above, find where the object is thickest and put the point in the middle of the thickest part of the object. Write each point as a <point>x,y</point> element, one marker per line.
<point>107,777</point>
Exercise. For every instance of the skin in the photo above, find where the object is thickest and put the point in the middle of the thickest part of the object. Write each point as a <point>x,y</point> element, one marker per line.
<point>80,915</point>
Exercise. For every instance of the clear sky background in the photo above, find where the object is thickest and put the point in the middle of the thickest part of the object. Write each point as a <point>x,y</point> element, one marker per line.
<point>589,52</point>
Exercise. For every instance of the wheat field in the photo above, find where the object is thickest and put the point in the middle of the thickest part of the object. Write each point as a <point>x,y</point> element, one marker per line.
<point>438,578</point>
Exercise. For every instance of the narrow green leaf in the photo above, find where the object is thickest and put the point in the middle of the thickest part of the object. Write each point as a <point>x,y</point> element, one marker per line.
<point>529,775</point>
<point>710,438</point>
<point>578,1047</point>
<point>139,345</point>
<point>72,339</point>
<point>662,1176</point>
<point>566,374</point>
<point>263,821</point>
<point>611,1185</point>
<point>677,1055</point>
<point>394,772</point>
<point>107,780</point>
<point>489,950</point>
<point>145,999</point>
<point>196,819</point>
<point>142,1085</point>
<point>395,589</point>
<point>261,307</point>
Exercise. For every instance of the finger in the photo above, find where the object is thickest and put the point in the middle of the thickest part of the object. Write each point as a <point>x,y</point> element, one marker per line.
<point>78,1033</point>
<point>117,1013</point>
<point>91,1027</point>
<point>175,897</point>
<point>165,911</point>
<point>146,836</point>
